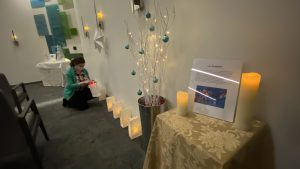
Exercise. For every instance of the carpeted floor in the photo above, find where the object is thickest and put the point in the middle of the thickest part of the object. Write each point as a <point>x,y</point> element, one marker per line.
<point>90,139</point>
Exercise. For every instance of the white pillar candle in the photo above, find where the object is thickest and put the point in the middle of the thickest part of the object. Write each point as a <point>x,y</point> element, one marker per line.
<point>248,91</point>
<point>110,101</point>
<point>117,108</point>
<point>134,127</point>
<point>124,117</point>
<point>182,103</point>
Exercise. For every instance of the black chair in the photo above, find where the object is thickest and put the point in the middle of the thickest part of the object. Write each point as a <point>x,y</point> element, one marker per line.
<point>28,120</point>
<point>18,92</point>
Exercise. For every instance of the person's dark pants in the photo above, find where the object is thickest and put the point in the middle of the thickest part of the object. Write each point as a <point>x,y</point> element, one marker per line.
<point>80,98</point>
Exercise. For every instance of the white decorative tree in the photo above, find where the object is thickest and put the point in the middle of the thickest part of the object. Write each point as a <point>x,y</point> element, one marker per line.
<point>149,50</point>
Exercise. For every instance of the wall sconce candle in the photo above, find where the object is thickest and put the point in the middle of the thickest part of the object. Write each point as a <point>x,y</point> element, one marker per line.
<point>100,18</point>
<point>248,91</point>
<point>14,38</point>
<point>86,29</point>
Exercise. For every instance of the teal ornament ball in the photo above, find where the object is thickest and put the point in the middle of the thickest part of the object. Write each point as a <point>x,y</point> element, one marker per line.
<point>148,15</point>
<point>139,92</point>
<point>141,51</point>
<point>152,28</point>
<point>155,80</point>
<point>127,46</point>
<point>165,38</point>
<point>133,73</point>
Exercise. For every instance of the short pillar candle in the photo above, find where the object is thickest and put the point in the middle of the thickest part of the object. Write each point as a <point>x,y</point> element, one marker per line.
<point>248,91</point>
<point>182,103</point>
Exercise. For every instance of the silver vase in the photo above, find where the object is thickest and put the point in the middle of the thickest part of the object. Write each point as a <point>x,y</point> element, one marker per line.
<point>148,115</point>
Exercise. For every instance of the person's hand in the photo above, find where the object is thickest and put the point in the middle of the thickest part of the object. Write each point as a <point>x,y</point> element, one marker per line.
<point>84,83</point>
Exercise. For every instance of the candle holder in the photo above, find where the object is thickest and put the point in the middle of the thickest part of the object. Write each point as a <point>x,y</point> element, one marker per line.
<point>134,127</point>
<point>14,38</point>
<point>124,118</point>
<point>86,29</point>
<point>246,102</point>
<point>182,103</point>
<point>110,101</point>
<point>100,18</point>
<point>117,109</point>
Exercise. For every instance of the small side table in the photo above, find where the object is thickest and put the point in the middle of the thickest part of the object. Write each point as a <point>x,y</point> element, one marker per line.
<point>199,142</point>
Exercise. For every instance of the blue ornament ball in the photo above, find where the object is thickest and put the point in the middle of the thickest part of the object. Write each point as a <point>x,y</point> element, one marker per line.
<point>139,92</point>
<point>155,80</point>
<point>127,46</point>
<point>133,73</point>
<point>165,38</point>
<point>141,51</point>
<point>152,28</point>
<point>148,15</point>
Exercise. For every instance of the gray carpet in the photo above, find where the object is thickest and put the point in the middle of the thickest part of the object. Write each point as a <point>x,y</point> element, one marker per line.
<point>90,139</point>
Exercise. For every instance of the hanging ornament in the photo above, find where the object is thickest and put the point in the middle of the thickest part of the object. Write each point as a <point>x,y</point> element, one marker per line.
<point>152,28</point>
<point>155,80</point>
<point>165,38</point>
<point>133,73</point>
<point>141,51</point>
<point>139,92</point>
<point>127,46</point>
<point>148,15</point>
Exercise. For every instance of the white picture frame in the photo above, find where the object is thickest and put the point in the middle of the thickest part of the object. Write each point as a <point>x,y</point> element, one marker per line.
<point>213,88</point>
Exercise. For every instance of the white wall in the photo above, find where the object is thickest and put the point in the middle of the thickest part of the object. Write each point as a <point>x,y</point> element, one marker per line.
<point>18,63</point>
<point>265,35</point>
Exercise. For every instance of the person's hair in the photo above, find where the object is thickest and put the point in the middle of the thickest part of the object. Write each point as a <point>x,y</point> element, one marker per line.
<point>76,61</point>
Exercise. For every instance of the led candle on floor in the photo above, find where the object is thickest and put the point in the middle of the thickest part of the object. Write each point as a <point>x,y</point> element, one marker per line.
<point>94,89</point>
<point>117,108</point>
<point>110,101</point>
<point>248,91</point>
<point>134,127</point>
<point>182,103</point>
<point>124,117</point>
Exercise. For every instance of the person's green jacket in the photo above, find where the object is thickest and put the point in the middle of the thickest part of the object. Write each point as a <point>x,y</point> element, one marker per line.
<point>71,83</point>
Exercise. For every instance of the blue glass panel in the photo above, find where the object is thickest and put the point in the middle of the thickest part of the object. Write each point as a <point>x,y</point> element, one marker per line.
<point>37,3</point>
<point>41,24</point>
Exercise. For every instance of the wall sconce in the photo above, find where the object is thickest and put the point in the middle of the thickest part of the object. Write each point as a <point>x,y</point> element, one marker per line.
<point>134,127</point>
<point>100,18</point>
<point>117,109</point>
<point>86,29</point>
<point>124,117</point>
<point>136,5</point>
<point>14,38</point>
<point>110,101</point>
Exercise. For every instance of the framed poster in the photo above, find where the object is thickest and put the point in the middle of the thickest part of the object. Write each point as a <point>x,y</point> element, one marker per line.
<point>214,86</point>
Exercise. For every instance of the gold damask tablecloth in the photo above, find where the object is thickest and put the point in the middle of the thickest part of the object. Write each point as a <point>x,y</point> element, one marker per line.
<point>200,142</point>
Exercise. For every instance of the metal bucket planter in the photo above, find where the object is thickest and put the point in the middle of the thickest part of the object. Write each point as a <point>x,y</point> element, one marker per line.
<point>148,115</point>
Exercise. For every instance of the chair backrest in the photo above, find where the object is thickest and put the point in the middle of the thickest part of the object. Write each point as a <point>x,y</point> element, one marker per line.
<point>7,91</point>
<point>12,139</point>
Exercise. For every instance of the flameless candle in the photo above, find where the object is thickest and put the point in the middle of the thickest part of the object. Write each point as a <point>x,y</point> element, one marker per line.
<point>100,16</point>
<point>182,103</point>
<point>134,127</point>
<point>110,101</point>
<point>124,117</point>
<point>248,91</point>
<point>117,108</point>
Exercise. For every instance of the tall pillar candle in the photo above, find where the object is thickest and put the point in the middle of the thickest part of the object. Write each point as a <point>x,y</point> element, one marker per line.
<point>182,103</point>
<point>248,91</point>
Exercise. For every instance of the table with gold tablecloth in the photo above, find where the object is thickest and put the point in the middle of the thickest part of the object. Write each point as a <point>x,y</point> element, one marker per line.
<point>200,142</point>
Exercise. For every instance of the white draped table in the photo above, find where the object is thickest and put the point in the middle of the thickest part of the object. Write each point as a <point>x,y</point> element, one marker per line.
<point>53,72</point>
